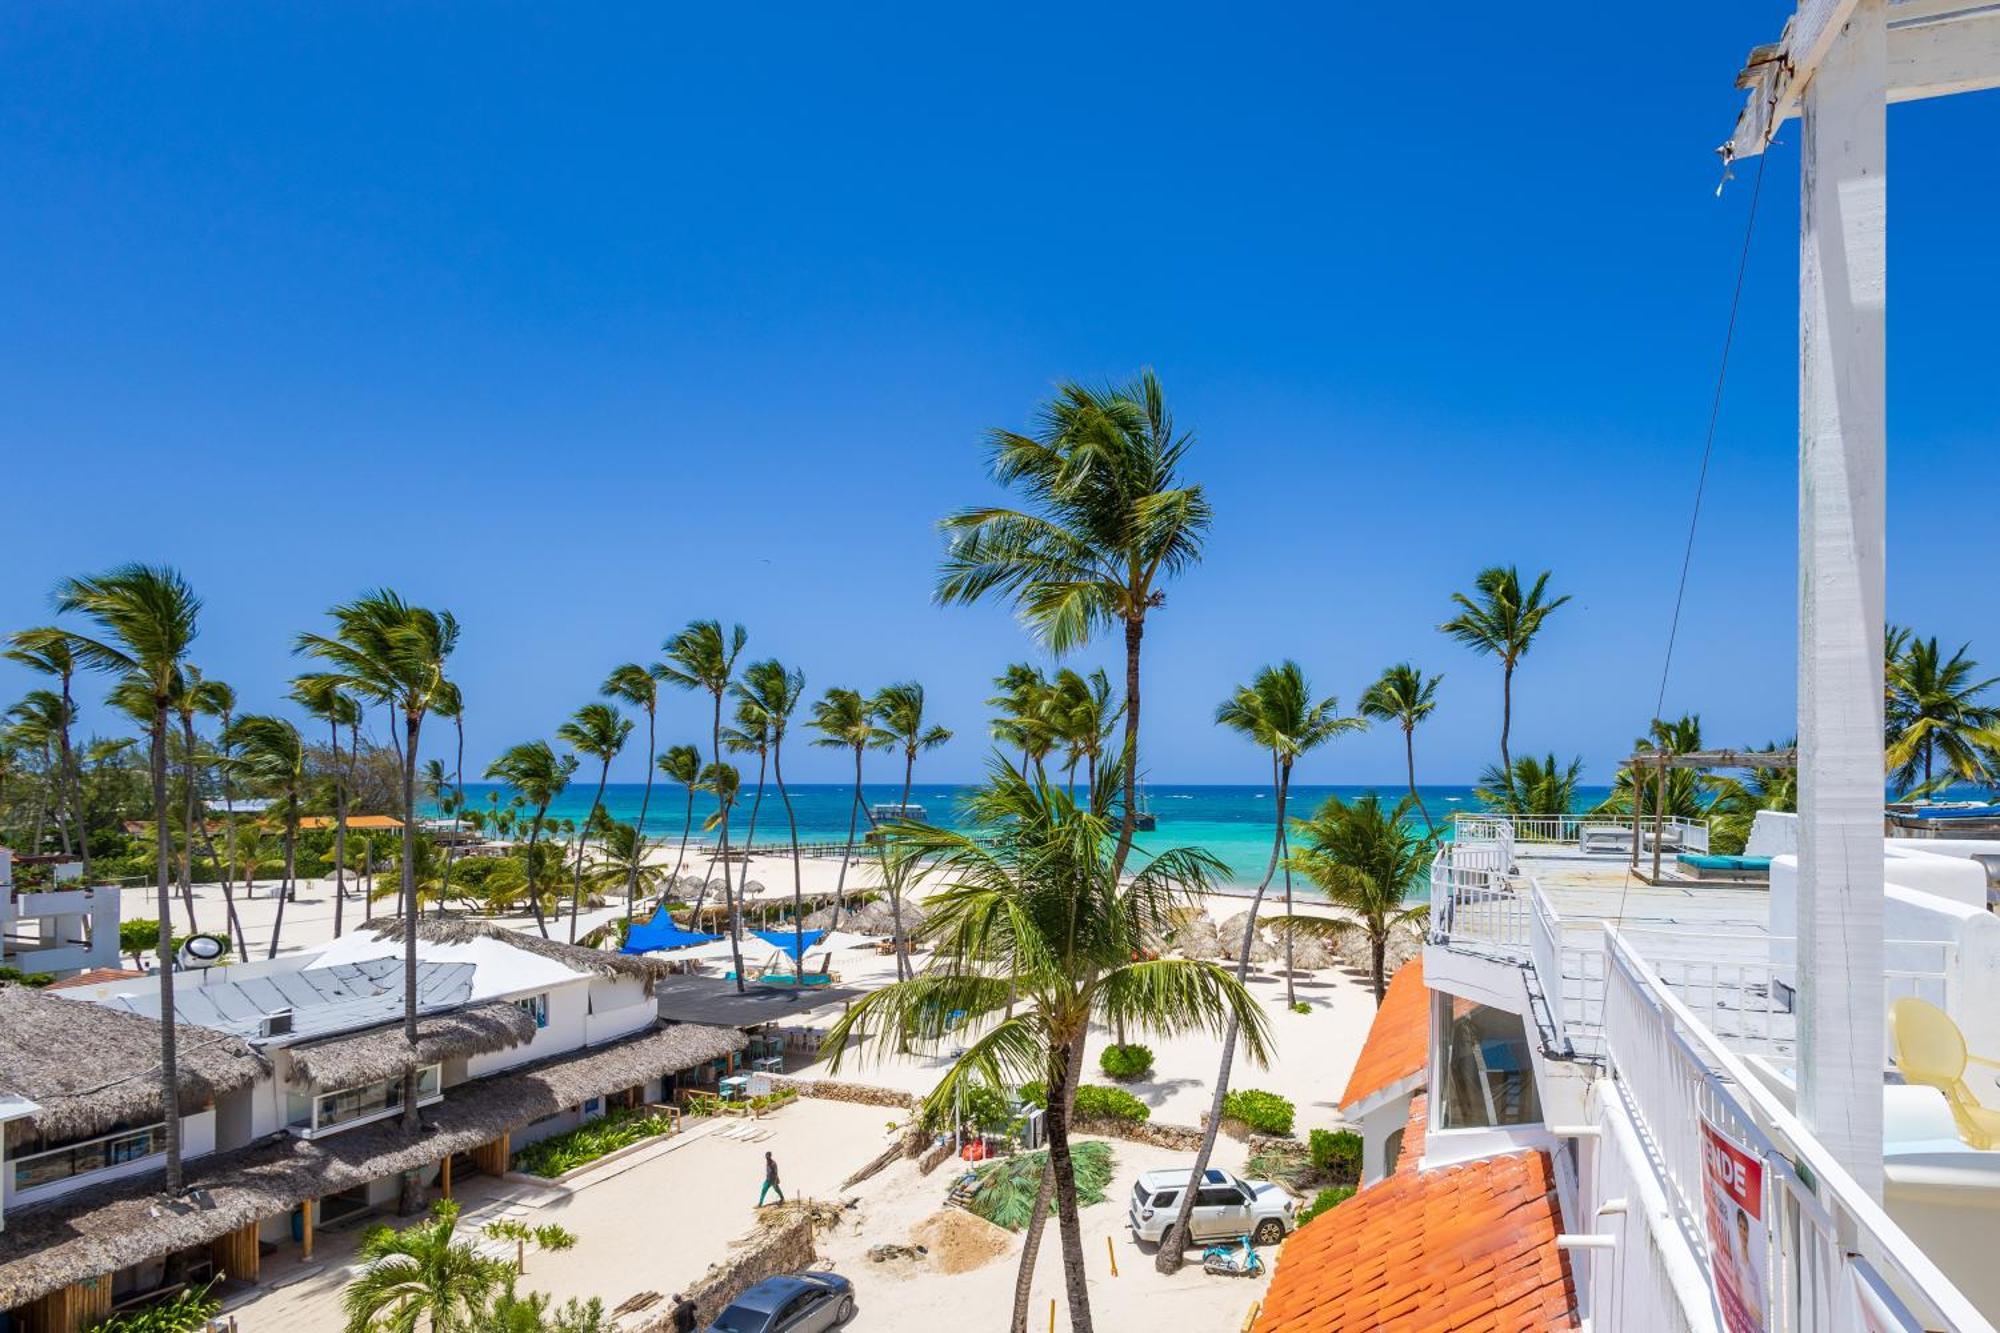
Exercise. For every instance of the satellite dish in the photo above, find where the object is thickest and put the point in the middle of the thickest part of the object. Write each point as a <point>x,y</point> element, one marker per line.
<point>199,951</point>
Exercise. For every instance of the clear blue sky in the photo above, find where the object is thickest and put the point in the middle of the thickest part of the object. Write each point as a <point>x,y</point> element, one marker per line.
<point>585,324</point>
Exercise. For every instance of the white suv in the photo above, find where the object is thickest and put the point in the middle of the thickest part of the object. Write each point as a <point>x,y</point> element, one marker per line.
<point>1225,1207</point>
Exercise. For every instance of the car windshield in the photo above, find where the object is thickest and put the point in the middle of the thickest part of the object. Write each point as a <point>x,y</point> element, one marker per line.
<point>736,1319</point>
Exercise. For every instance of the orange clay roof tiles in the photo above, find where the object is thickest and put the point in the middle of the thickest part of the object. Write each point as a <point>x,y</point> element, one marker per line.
<point>1399,1040</point>
<point>1458,1249</point>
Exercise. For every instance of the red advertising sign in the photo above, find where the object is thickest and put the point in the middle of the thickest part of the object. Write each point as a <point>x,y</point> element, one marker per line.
<point>1739,1244</point>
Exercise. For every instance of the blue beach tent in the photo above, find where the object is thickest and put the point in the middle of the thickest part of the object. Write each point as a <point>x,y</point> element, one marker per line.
<point>784,941</point>
<point>661,933</point>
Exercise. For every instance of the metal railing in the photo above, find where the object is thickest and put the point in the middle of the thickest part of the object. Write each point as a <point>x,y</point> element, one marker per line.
<point>1473,904</point>
<point>1514,831</point>
<point>1827,1238</point>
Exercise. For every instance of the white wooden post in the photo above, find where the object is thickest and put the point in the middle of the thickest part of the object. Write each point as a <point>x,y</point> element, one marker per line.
<point>1841,481</point>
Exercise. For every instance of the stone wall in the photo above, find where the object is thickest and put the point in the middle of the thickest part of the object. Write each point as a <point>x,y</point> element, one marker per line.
<point>1164,1134</point>
<point>834,1090</point>
<point>767,1252</point>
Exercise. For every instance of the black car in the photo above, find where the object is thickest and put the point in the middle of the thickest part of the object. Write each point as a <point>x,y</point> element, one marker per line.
<point>798,1303</point>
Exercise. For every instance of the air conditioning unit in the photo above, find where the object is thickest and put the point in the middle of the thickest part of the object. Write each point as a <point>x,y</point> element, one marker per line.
<point>275,1025</point>
<point>1031,1128</point>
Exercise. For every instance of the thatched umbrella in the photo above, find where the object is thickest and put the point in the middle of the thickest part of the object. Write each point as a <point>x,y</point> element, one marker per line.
<point>1352,949</point>
<point>691,883</point>
<point>1198,939</point>
<point>1310,953</point>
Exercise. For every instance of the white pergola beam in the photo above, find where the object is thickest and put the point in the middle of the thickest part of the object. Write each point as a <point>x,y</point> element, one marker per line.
<point>1935,48</point>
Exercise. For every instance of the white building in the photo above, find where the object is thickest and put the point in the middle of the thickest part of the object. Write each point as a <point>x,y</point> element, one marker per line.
<point>58,925</point>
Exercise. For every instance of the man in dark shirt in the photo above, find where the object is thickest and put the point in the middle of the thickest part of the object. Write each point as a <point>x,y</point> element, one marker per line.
<point>770,1181</point>
<point>683,1314</point>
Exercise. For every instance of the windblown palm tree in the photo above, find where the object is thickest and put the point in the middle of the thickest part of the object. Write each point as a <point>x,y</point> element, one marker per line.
<point>599,731</point>
<point>1934,714</point>
<point>271,756</point>
<point>48,651</point>
<point>1107,523</point>
<point>35,721</point>
<point>844,722</point>
<point>1023,718</point>
<point>619,864</point>
<point>1732,811</point>
<point>1503,622</point>
<point>144,619</point>
<point>1655,791</point>
<point>682,763</point>
<point>216,699</point>
<point>322,697</point>
<point>751,734</point>
<point>639,687</point>
<point>1086,717</point>
<point>450,703</point>
<point>899,711</point>
<point>1531,787</point>
<point>1035,936</point>
<point>703,657</point>
<point>534,772</point>
<point>1277,713</point>
<point>1367,860</point>
<point>387,651</point>
<point>1405,696</point>
<point>776,693</point>
<point>422,1278</point>
<point>724,782</point>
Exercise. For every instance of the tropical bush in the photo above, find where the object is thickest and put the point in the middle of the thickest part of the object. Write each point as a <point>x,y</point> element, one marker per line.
<point>34,980</point>
<point>1129,1061</point>
<point>1094,1101</point>
<point>1264,1112</point>
<point>139,937</point>
<point>1324,1200</point>
<point>605,1135</point>
<point>1336,1152</point>
<point>187,1311</point>
<point>1301,1007</point>
<point>986,1108</point>
<point>1285,1163</point>
<point>1007,1186</point>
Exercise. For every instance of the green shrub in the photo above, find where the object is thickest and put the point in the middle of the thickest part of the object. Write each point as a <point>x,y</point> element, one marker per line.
<point>1007,1186</point>
<point>1337,1152</point>
<point>1096,1102</point>
<point>33,980</point>
<point>986,1108</point>
<point>1129,1061</point>
<point>586,1143</point>
<point>186,1312</point>
<point>1325,1199</point>
<point>1264,1112</point>
<point>1035,1094</point>
<point>1301,1007</point>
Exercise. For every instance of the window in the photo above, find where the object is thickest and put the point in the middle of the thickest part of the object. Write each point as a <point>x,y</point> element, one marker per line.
<point>1218,1196</point>
<point>537,1008</point>
<point>1166,1198</point>
<point>66,1161</point>
<point>1489,1072</point>
<point>319,1113</point>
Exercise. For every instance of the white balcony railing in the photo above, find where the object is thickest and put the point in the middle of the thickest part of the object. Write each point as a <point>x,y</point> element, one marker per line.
<point>1832,1247</point>
<point>1518,832</point>
<point>1473,905</point>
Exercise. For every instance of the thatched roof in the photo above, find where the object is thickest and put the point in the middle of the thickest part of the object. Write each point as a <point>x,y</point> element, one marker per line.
<point>48,1246</point>
<point>365,1057</point>
<point>456,928</point>
<point>92,1068</point>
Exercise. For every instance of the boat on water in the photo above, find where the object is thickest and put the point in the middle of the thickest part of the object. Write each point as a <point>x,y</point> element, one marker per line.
<point>889,812</point>
<point>1143,818</point>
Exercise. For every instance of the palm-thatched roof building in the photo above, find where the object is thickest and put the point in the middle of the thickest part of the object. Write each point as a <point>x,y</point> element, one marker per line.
<point>384,1052</point>
<point>456,929</point>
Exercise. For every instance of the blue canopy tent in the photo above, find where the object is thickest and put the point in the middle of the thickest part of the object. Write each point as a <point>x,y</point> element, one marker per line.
<point>661,933</point>
<point>785,942</point>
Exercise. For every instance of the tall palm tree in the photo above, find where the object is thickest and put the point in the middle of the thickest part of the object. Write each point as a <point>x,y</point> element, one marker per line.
<point>1277,713</point>
<point>639,687</point>
<point>187,705</point>
<point>216,699</point>
<point>323,699</point>
<point>1732,811</point>
<point>144,619</point>
<point>1503,622</point>
<point>703,657</point>
<point>271,755</point>
<point>844,722</point>
<point>538,777</point>
<point>724,782</point>
<point>1369,861</point>
<point>1934,714</point>
<point>1405,696</point>
<point>422,1277</point>
<point>1107,523</point>
<point>682,763</point>
<point>36,720</point>
<point>776,693</point>
<point>450,703</point>
<point>899,710</point>
<point>385,650</point>
<point>599,731</point>
<point>48,651</point>
<point>1035,936</point>
<point>1531,787</point>
<point>1086,717</point>
<point>619,864</point>
<point>1022,713</point>
<point>751,734</point>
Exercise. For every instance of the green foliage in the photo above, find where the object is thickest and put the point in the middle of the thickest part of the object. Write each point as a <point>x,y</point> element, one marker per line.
<point>185,1312</point>
<point>986,1108</point>
<point>607,1134</point>
<point>1096,1102</point>
<point>514,1312</point>
<point>1264,1112</point>
<point>1335,1150</point>
<point>1324,1200</point>
<point>33,980</point>
<point>140,937</point>
<point>1007,1187</point>
<point>1286,1163</point>
<point>1129,1061</point>
<point>1301,1007</point>
<point>546,1237</point>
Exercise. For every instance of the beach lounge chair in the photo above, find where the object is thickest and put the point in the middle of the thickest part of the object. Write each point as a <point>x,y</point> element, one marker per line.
<point>1930,1050</point>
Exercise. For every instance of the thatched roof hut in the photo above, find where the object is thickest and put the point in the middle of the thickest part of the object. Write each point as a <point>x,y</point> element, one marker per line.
<point>1198,939</point>
<point>92,1068</point>
<point>49,1246</point>
<point>1353,951</point>
<point>366,1057</point>
<point>454,928</point>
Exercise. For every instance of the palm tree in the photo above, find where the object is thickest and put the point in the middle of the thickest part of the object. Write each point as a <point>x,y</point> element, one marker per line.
<point>1503,622</point>
<point>145,619</point>
<point>620,863</point>
<point>1531,787</point>
<point>1934,713</point>
<point>751,734</point>
<point>450,703</point>
<point>271,755</point>
<point>844,722</point>
<point>36,720</point>
<point>639,687</point>
<point>724,782</point>
<point>1735,802</point>
<point>682,763</point>
<point>48,651</point>
<point>1086,717</point>
<point>1035,936</point>
<point>322,698</point>
<point>899,710</point>
<point>217,700</point>
<point>387,651</point>
<point>1277,713</point>
<point>1657,790</point>
<point>422,1277</point>
<point>187,703</point>
<point>703,657</point>
<point>600,731</point>
<point>1406,696</point>
<point>1370,862</point>
<point>1023,714</point>
<point>776,694</point>
<point>1108,523</point>
<point>538,776</point>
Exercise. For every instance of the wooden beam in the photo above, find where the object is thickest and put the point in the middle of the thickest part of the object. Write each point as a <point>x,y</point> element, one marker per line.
<point>444,1176</point>
<point>1776,85</point>
<point>1941,57</point>
<point>308,1208</point>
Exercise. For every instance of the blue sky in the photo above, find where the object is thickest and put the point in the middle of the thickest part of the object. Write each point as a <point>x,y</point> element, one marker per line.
<point>587,324</point>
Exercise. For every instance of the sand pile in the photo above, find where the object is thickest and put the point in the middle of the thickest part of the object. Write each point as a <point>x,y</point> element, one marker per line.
<point>958,1242</point>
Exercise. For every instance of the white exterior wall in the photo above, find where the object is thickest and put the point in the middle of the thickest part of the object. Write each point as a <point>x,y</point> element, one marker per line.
<point>569,1014</point>
<point>197,1140</point>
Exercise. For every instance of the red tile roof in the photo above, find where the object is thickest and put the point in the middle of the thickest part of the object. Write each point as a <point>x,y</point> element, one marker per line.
<point>1465,1249</point>
<point>1399,1040</point>
<point>95,975</point>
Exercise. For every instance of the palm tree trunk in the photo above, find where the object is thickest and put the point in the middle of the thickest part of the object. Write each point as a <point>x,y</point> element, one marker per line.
<point>1378,946</point>
<point>224,876</point>
<point>339,833</point>
<point>749,843</point>
<point>1410,762</point>
<point>413,722</point>
<point>534,890</point>
<point>1173,1243</point>
<point>639,829</point>
<point>1038,1216</point>
<point>895,882</point>
<point>853,822</point>
<point>582,840</point>
<point>457,808</point>
<point>73,783</point>
<point>1063,1167</point>
<point>1285,856</point>
<point>163,866</point>
<point>728,892</point>
<point>187,818</point>
<point>1506,713</point>
<point>798,871</point>
<point>291,872</point>
<point>687,827</point>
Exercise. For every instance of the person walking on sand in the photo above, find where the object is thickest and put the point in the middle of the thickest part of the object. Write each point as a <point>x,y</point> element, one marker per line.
<point>684,1314</point>
<point>770,1181</point>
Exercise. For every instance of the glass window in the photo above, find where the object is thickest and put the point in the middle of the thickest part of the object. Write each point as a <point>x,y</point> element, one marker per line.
<point>1489,1072</point>
<point>1166,1198</point>
<point>536,1007</point>
<point>1218,1196</point>
<point>48,1165</point>
<point>348,1105</point>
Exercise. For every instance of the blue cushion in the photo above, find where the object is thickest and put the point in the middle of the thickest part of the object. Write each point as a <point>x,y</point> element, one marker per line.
<point>1710,861</point>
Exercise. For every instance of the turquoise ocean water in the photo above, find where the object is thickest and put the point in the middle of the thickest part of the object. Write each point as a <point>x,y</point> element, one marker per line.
<point>1232,823</point>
